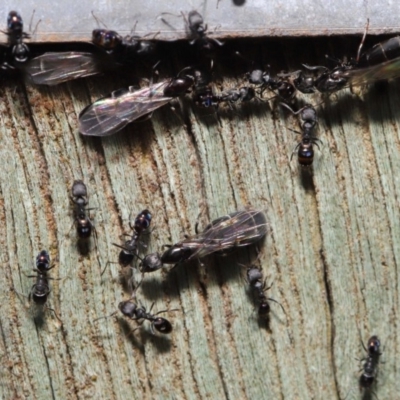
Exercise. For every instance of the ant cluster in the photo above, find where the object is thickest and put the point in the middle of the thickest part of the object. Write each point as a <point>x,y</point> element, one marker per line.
<point>241,228</point>
<point>109,115</point>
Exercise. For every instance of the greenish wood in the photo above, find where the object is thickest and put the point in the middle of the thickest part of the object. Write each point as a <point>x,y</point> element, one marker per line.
<point>332,250</point>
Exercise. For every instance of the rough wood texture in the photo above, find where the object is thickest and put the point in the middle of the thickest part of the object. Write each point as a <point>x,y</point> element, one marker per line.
<point>332,251</point>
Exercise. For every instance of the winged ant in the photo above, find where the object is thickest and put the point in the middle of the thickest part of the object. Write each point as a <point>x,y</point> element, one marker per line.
<point>378,63</point>
<point>239,229</point>
<point>111,51</point>
<point>109,115</point>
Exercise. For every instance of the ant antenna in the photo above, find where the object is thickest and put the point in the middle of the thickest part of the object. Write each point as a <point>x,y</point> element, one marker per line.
<point>362,41</point>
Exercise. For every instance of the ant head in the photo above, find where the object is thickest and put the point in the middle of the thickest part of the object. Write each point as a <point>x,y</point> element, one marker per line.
<point>286,90</point>
<point>308,113</point>
<point>257,77</point>
<point>79,189</point>
<point>128,308</point>
<point>373,345</point>
<point>151,262</point>
<point>254,274</point>
<point>196,23</point>
<point>106,39</point>
<point>14,23</point>
<point>305,84</point>
<point>42,261</point>
<point>142,221</point>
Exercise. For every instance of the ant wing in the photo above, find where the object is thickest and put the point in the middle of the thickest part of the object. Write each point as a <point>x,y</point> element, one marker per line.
<point>57,67</point>
<point>109,115</point>
<point>238,229</point>
<point>386,70</point>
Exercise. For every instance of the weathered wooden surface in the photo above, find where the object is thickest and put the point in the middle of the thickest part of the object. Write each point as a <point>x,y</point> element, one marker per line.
<point>332,251</point>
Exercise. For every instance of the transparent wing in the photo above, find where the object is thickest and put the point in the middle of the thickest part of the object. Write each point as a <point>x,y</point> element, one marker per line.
<point>238,229</point>
<point>387,70</point>
<point>54,68</point>
<point>110,114</point>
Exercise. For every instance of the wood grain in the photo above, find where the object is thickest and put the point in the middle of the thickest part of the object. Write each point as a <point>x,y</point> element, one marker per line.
<point>332,251</point>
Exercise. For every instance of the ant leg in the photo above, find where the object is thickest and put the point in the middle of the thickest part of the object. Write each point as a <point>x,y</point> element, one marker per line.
<point>108,262</point>
<point>166,22</point>
<point>106,316</point>
<point>289,108</point>
<point>140,323</point>
<point>168,310</point>
<point>132,282</point>
<point>317,143</point>
<point>21,294</point>
<point>69,230</point>
<point>119,246</point>
<point>277,302</point>
<point>133,295</point>
<point>294,151</point>
<point>95,238</point>
<point>51,309</point>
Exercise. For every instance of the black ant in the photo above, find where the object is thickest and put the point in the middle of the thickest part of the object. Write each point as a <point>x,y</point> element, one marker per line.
<point>84,226</point>
<point>370,366</point>
<point>243,94</point>
<point>203,94</point>
<point>196,31</point>
<point>136,312</point>
<point>41,289</point>
<point>255,280</point>
<point>123,49</point>
<point>79,197</point>
<point>16,35</point>
<point>280,85</point>
<point>139,313</point>
<point>305,150</point>
<point>130,249</point>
